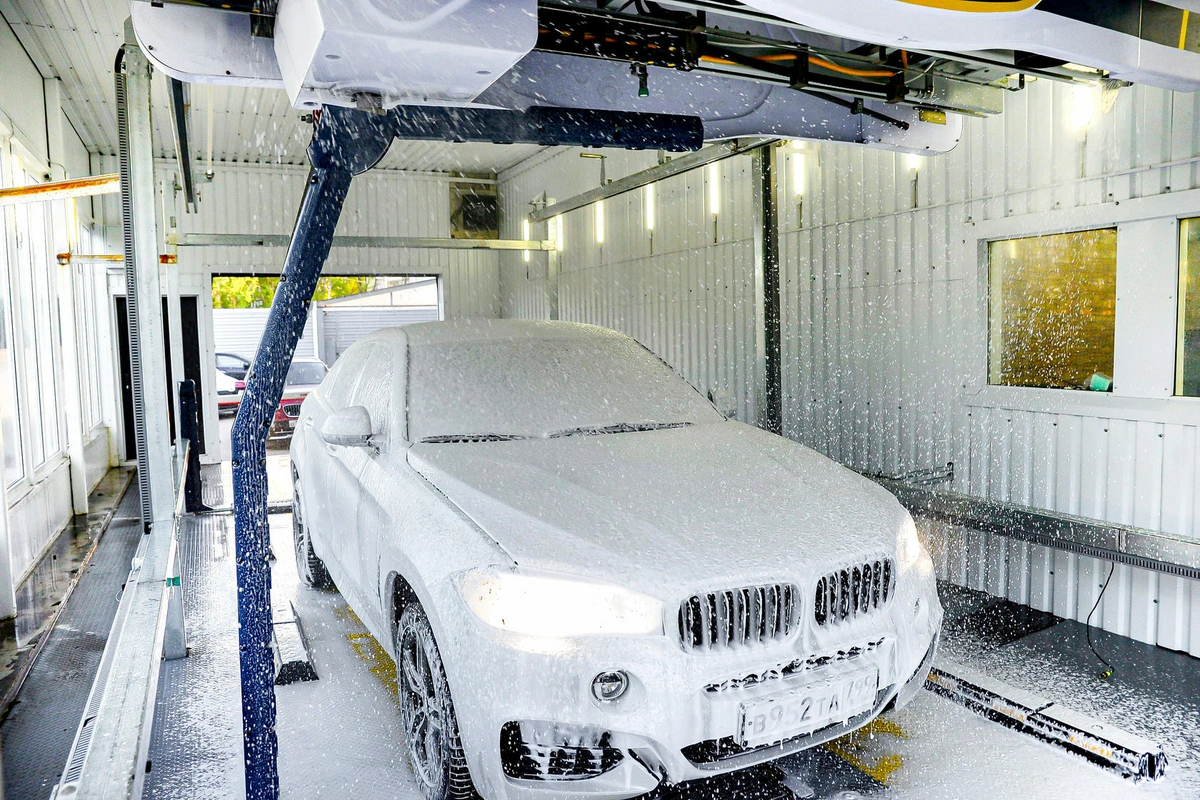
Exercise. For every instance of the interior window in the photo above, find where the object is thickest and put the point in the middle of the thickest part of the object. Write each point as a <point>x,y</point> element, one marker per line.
<point>1187,347</point>
<point>1051,310</point>
<point>14,462</point>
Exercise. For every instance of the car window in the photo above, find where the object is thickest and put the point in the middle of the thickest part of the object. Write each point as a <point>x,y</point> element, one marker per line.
<point>305,373</point>
<point>227,362</point>
<point>374,392</point>
<point>545,387</point>
<point>342,378</point>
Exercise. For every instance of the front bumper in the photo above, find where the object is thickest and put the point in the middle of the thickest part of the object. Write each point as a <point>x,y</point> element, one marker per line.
<point>678,719</point>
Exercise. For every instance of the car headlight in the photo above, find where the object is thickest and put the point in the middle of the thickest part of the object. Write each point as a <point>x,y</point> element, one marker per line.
<point>538,604</point>
<point>908,546</point>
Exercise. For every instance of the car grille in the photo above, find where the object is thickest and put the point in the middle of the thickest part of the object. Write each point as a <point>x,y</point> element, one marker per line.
<point>800,665</point>
<point>750,615</point>
<point>559,752</point>
<point>853,592</point>
<point>291,409</point>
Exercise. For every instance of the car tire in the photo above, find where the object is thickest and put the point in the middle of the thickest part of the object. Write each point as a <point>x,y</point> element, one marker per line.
<point>427,712</point>
<point>310,568</point>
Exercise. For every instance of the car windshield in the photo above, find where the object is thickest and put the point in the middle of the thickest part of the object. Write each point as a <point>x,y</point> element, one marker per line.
<point>495,390</point>
<point>305,373</point>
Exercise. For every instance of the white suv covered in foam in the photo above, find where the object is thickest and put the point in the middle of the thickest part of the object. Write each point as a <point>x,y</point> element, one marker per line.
<point>591,580</point>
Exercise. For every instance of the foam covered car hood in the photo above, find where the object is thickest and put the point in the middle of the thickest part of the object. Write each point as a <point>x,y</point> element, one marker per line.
<point>707,506</point>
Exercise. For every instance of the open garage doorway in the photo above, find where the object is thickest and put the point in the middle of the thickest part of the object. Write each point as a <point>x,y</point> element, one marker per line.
<point>344,309</point>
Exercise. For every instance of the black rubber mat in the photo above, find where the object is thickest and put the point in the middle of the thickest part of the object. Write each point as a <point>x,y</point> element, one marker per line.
<point>38,732</point>
<point>978,620</point>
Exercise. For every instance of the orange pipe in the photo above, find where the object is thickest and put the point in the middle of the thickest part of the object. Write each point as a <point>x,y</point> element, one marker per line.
<point>815,61</point>
<point>76,187</point>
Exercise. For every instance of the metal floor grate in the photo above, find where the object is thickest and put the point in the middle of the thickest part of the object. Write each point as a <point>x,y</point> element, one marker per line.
<point>37,734</point>
<point>196,744</point>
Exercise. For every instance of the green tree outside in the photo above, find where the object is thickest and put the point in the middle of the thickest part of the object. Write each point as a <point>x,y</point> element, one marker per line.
<point>239,291</point>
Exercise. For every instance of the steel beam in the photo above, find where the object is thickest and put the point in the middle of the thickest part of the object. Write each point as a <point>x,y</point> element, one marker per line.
<point>174,308</point>
<point>637,180</point>
<point>1124,544</point>
<point>545,125</point>
<point>142,287</point>
<point>413,242</point>
<point>772,295</point>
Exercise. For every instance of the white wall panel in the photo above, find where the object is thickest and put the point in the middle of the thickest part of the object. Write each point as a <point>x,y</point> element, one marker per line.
<point>98,457</point>
<point>689,299</point>
<point>37,517</point>
<point>262,198</point>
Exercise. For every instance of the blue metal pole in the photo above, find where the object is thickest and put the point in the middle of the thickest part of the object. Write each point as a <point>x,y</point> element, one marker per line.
<point>311,240</point>
<point>347,142</point>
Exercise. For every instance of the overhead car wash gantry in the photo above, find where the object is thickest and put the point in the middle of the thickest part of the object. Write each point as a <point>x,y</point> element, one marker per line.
<point>948,246</point>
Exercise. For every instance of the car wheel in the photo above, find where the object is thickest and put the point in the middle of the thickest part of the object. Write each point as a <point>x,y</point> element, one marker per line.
<point>310,568</point>
<point>427,712</point>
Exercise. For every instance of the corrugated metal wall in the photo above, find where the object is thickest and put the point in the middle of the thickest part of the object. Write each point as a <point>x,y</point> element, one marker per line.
<point>239,330</point>
<point>342,326</point>
<point>687,292</point>
<point>885,331</point>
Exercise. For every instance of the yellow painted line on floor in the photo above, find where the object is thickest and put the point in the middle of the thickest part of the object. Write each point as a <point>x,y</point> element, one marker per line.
<point>378,662</point>
<point>852,748</point>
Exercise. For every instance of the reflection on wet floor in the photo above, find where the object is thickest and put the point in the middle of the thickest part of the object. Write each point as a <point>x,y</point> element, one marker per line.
<point>1153,692</point>
<point>42,593</point>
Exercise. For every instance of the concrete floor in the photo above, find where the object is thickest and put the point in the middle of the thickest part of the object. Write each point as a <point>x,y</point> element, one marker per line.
<point>342,733</point>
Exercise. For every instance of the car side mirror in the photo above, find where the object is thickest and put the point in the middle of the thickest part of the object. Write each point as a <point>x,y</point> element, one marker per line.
<point>349,427</point>
<point>724,401</point>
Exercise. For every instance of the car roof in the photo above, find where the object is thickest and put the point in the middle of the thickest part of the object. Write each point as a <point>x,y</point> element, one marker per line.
<point>480,330</point>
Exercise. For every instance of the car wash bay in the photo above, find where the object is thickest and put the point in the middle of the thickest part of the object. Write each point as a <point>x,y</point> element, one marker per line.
<point>1003,335</point>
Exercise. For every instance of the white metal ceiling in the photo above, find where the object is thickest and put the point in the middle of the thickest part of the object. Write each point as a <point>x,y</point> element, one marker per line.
<point>77,41</point>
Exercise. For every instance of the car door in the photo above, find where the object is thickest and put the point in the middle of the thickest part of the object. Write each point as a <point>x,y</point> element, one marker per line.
<point>347,465</point>
<point>377,480</point>
<point>330,486</point>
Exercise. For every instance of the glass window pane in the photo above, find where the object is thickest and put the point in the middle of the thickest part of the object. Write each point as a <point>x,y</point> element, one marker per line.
<point>1187,349</point>
<point>1051,308</point>
<point>31,410</point>
<point>47,353</point>
<point>14,465</point>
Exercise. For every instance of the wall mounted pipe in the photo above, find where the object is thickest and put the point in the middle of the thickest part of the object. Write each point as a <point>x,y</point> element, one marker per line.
<point>57,190</point>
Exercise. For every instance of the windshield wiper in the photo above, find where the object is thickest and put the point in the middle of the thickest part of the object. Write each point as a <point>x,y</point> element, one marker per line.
<point>620,427</point>
<point>455,438</point>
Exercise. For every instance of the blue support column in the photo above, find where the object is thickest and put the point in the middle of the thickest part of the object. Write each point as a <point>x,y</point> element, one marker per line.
<point>319,213</point>
<point>345,143</point>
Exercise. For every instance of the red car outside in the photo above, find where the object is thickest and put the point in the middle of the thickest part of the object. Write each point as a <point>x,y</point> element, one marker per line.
<point>304,375</point>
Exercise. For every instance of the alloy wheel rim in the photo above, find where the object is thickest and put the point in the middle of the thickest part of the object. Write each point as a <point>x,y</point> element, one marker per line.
<point>422,711</point>
<point>299,537</point>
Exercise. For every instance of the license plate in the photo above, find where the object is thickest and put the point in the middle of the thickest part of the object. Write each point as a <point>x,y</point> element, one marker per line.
<point>291,424</point>
<point>783,716</point>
